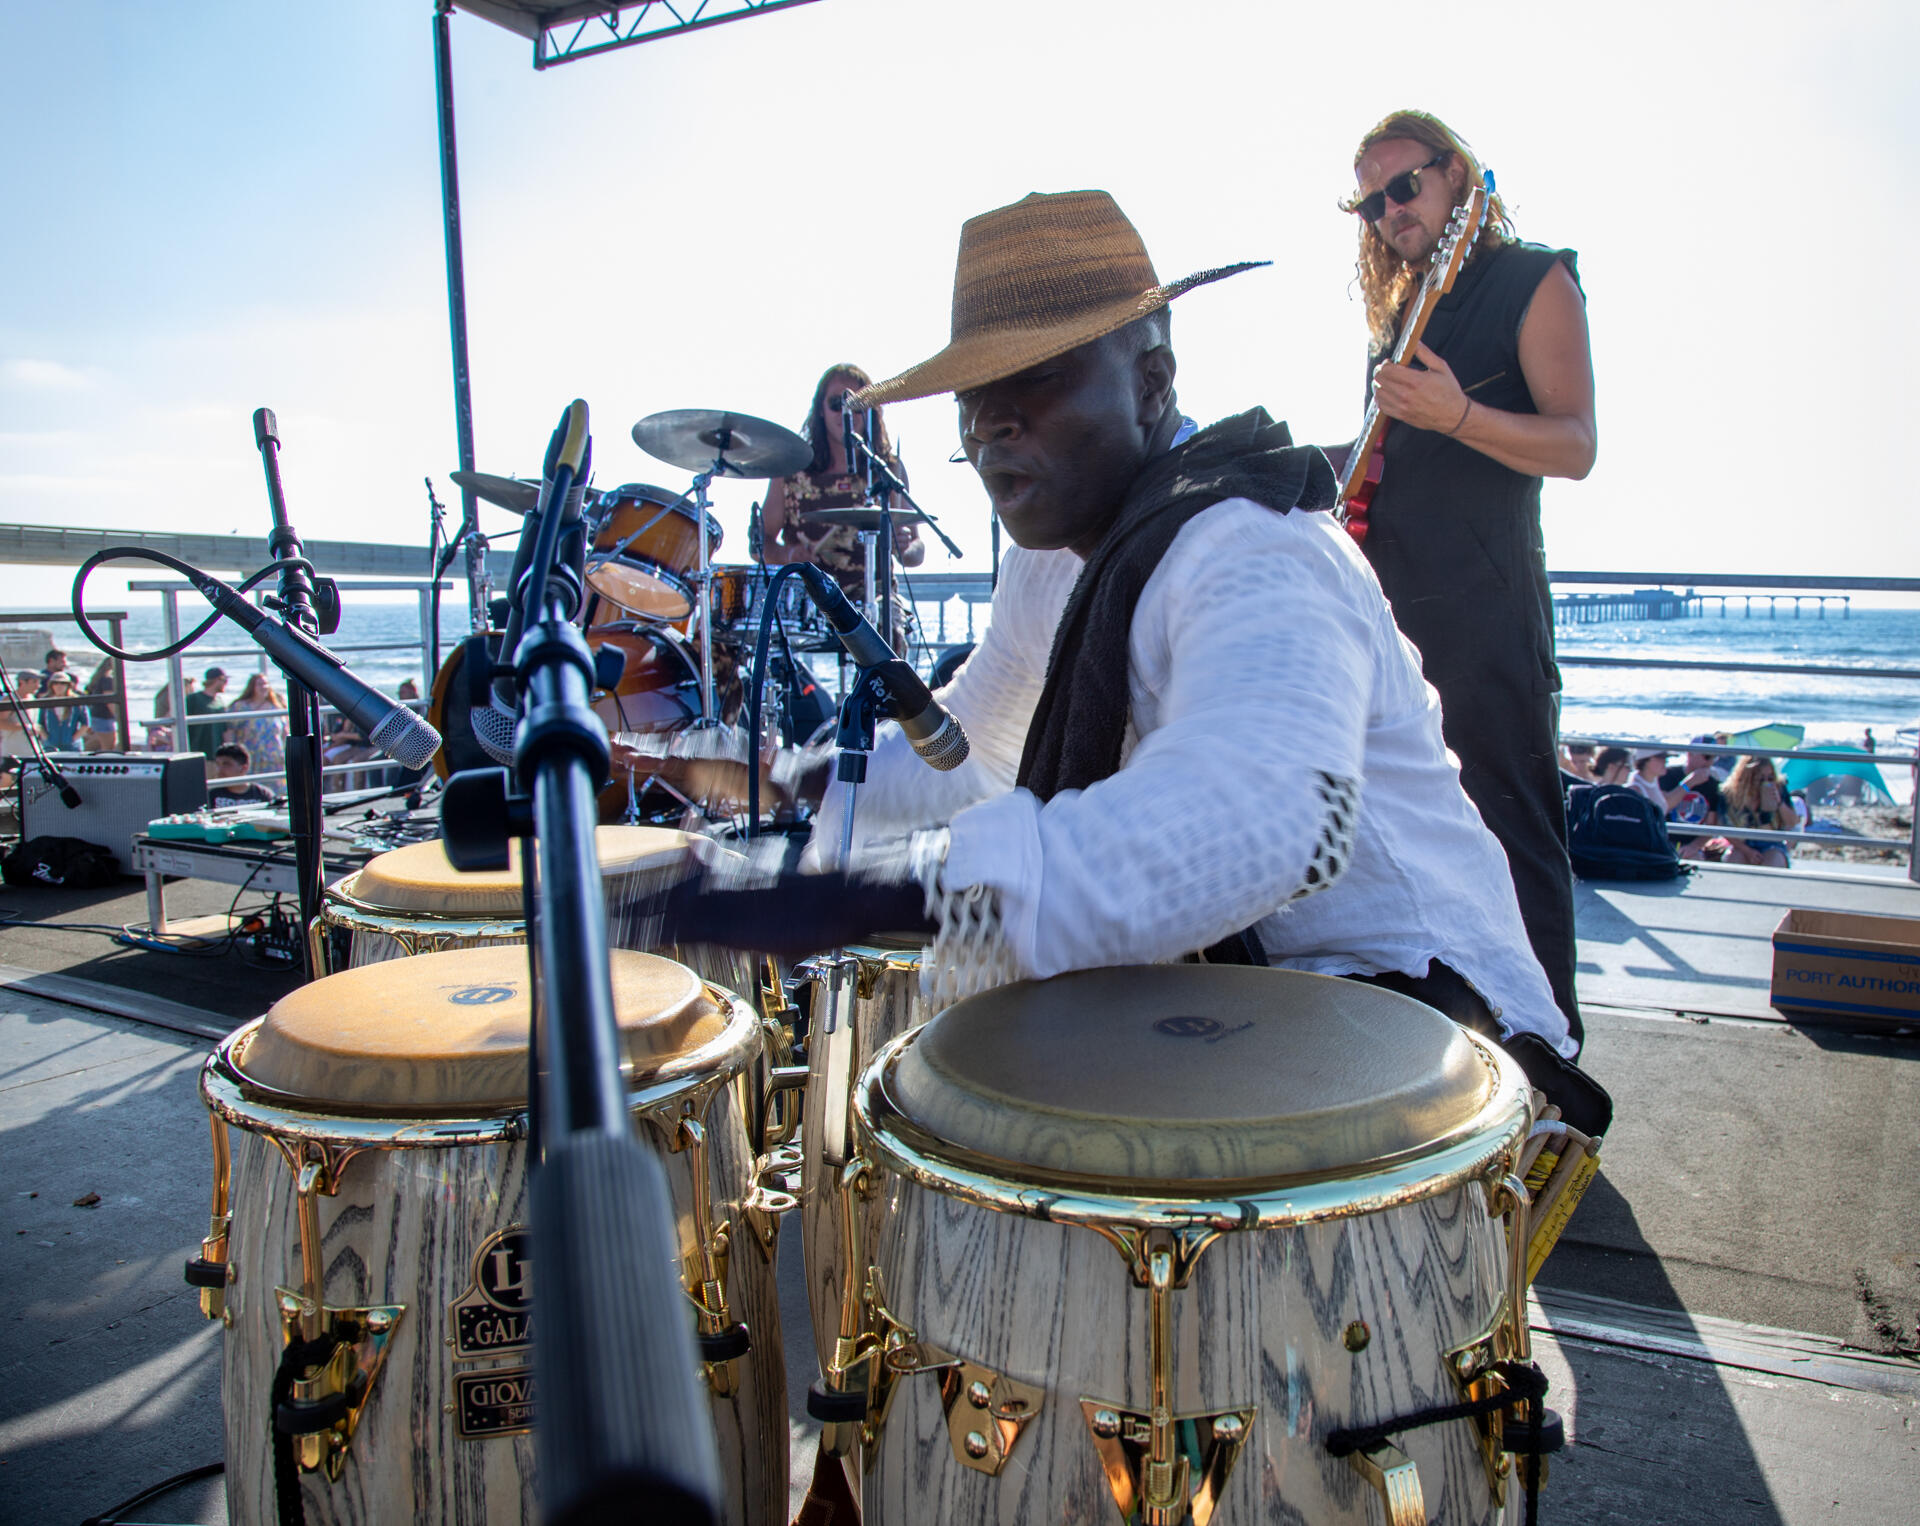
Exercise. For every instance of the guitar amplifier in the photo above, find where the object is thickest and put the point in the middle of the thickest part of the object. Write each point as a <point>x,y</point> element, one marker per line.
<point>120,792</point>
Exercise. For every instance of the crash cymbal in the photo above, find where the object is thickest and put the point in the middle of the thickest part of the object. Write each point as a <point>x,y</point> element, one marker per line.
<point>504,492</point>
<point>693,438</point>
<point>861,519</point>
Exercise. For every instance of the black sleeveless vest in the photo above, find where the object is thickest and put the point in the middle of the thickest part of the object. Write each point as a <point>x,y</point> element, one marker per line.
<point>1453,535</point>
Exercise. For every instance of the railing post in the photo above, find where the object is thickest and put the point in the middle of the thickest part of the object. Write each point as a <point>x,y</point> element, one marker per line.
<point>176,689</point>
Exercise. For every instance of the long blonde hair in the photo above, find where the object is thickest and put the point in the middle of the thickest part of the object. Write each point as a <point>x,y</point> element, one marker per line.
<point>1386,280</point>
<point>1742,789</point>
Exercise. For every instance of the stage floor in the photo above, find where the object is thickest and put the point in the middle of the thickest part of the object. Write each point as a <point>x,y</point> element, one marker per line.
<point>1728,1324</point>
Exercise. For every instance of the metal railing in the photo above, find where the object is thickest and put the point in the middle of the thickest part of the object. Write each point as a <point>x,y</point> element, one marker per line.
<point>114,698</point>
<point>176,687</point>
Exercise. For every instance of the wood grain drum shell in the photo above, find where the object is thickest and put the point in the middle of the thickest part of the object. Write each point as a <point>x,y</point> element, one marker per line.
<point>412,1211</point>
<point>1334,1165</point>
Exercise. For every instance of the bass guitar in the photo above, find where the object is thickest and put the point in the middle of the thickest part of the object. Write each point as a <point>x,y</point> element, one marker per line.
<point>1368,458</point>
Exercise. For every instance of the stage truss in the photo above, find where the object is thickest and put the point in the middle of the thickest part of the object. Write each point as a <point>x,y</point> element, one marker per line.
<point>562,33</point>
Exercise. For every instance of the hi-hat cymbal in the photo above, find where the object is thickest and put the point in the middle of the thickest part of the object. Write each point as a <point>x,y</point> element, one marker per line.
<point>861,519</point>
<point>504,492</point>
<point>693,439</point>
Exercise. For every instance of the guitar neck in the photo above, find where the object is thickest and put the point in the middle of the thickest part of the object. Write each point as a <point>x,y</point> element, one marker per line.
<point>1372,430</point>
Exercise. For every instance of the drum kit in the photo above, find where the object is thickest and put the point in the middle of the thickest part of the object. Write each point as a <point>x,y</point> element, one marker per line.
<point>1145,1240</point>
<point>687,624</point>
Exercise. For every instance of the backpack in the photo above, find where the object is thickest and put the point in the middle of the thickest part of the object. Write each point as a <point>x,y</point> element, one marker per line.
<point>65,861</point>
<point>1614,833</point>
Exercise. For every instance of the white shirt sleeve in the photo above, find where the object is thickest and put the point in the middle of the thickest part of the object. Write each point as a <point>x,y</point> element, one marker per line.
<point>1250,670</point>
<point>992,697</point>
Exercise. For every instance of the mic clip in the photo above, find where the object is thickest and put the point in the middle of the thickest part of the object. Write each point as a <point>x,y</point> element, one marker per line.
<point>326,606</point>
<point>480,815</point>
<point>869,701</point>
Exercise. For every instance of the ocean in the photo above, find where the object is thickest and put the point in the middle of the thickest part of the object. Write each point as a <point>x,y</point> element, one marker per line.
<point>1624,702</point>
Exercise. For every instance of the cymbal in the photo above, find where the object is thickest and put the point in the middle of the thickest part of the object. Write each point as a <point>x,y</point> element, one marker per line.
<point>505,492</point>
<point>861,519</point>
<point>693,438</point>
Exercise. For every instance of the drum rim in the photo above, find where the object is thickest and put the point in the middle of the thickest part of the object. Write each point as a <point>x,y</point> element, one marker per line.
<point>236,1098</point>
<point>1474,1149</point>
<point>348,913</point>
<point>645,564</point>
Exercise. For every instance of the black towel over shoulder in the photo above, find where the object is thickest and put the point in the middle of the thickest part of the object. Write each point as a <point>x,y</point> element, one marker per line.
<point>1080,723</point>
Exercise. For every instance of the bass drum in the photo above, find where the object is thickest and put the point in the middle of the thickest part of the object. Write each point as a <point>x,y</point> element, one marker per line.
<point>450,713</point>
<point>1154,1233</point>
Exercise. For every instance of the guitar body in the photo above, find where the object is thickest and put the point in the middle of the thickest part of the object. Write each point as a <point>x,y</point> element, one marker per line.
<point>1367,462</point>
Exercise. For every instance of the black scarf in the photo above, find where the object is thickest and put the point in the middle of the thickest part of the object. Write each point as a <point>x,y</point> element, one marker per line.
<point>1080,723</point>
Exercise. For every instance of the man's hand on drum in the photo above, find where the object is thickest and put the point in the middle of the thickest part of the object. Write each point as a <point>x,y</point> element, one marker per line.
<point>786,914</point>
<point>719,784</point>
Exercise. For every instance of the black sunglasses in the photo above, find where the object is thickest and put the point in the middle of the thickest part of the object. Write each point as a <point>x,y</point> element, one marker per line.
<point>1400,190</point>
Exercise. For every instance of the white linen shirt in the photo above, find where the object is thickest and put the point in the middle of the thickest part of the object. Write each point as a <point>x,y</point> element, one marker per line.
<point>1262,656</point>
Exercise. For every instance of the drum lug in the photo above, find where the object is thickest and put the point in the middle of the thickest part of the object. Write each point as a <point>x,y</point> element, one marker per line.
<point>776,1189</point>
<point>349,1374</point>
<point>714,1319</point>
<point>1504,1337</point>
<point>1164,1468</point>
<point>210,1271</point>
<point>985,1410</point>
<point>1392,1472</point>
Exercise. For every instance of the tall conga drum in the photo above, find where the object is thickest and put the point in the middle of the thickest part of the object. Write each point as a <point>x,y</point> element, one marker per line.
<point>1156,1234</point>
<point>376,1222</point>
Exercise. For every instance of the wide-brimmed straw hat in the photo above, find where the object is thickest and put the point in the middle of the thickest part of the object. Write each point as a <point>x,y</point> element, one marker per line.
<point>1034,280</point>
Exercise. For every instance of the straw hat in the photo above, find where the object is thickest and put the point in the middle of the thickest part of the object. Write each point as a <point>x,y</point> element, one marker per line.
<point>1034,280</point>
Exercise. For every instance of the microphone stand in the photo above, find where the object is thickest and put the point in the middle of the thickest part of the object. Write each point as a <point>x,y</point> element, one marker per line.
<point>624,1430</point>
<point>304,778</point>
<point>48,769</point>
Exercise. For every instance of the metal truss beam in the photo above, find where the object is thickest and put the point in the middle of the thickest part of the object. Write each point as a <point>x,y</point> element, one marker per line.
<point>567,30</point>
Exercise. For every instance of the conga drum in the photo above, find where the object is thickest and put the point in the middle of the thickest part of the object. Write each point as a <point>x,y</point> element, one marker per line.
<point>411,900</point>
<point>378,1214</point>
<point>858,1000</point>
<point>1156,1233</point>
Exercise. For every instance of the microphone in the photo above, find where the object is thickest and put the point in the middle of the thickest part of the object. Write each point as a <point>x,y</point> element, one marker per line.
<point>935,735</point>
<point>389,726</point>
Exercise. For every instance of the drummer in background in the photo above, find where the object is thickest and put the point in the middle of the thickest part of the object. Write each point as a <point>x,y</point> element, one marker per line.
<point>829,483</point>
<point>1195,727</point>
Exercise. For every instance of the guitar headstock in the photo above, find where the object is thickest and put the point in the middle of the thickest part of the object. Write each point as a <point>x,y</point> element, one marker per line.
<point>1463,229</point>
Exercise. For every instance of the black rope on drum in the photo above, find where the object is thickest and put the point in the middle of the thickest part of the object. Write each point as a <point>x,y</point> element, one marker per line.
<point>1524,1381</point>
<point>299,1356</point>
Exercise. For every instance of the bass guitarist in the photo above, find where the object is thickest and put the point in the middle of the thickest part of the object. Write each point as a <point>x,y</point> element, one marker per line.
<point>1497,395</point>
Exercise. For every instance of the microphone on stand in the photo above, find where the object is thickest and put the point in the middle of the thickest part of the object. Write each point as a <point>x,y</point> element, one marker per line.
<point>935,735</point>
<point>388,725</point>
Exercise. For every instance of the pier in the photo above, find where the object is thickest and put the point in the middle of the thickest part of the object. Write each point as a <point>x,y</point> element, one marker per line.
<point>1669,604</point>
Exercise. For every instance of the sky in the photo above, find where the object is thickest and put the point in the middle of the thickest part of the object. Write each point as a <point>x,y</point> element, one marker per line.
<point>217,206</point>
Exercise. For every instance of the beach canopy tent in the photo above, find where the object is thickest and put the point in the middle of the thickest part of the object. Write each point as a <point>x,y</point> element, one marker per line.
<point>1826,781</point>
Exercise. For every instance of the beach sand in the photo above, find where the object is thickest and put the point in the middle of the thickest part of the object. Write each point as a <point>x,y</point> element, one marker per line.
<point>1868,821</point>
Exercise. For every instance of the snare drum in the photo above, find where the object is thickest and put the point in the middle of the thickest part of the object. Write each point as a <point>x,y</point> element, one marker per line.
<point>646,544</point>
<point>378,1193</point>
<point>1155,1232</point>
<point>859,1000</point>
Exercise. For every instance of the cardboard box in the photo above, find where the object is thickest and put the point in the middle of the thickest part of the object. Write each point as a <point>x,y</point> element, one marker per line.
<point>1847,967</point>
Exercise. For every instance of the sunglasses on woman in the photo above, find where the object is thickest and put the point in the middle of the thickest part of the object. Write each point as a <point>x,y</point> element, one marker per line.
<point>1400,190</point>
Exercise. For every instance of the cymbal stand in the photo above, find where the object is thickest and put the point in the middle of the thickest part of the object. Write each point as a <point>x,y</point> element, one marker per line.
<point>703,588</point>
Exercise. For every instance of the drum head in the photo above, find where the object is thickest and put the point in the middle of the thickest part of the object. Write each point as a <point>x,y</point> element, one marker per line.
<point>641,587</point>
<point>418,878</point>
<point>446,1034</point>
<point>1152,1078</point>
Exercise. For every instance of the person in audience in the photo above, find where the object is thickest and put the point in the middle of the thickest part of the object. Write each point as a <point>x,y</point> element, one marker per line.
<point>102,731</point>
<point>1576,760</point>
<point>264,736</point>
<point>229,761</point>
<point>206,736</point>
<point>1753,798</point>
<point>59,723</point>
<point>1611,766</point>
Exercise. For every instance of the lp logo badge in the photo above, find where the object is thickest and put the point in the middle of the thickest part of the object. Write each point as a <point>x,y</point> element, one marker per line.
<point>481,996</point>
<point>494,1315</point>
